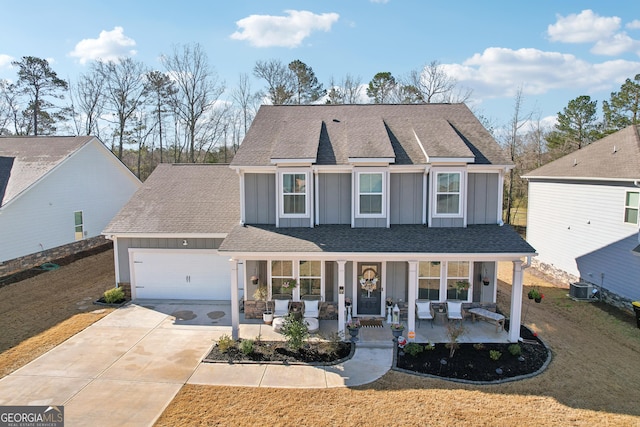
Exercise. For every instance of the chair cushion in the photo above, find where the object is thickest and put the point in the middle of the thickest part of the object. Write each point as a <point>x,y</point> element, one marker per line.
<point>281,307</point>
<point>311,306</point>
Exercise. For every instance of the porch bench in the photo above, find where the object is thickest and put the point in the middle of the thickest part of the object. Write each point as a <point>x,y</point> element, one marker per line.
<point>490,316</point>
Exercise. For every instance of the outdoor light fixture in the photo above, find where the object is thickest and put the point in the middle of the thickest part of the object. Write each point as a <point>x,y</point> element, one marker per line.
<point>185,243</point>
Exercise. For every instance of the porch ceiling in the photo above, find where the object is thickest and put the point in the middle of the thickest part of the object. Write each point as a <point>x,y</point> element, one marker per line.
<point>474,239</point>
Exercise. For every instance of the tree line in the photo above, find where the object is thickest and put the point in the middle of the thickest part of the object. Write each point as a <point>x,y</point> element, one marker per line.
<point>178,114</point>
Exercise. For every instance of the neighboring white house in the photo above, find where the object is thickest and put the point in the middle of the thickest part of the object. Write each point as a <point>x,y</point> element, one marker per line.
<point>57,190</point>
<point>583,214</point>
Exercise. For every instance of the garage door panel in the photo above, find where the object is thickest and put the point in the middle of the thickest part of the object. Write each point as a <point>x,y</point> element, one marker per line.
<point>183,275</point>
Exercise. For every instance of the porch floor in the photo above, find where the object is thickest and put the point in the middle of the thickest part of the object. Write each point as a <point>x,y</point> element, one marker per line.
<point>217,315</point>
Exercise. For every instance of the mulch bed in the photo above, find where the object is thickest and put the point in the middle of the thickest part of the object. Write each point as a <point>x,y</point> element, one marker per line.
<point>474,363</point>
<point>314,353</point>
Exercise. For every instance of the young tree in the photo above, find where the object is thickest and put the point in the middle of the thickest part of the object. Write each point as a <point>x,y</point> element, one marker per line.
<point>381,88</point>
<point>246,101</point>
<point>307,88</point>
<point>161,91</point>
<point>433,84</point>
<point>198,91</point>
<point>124,91</point>
<point>576,126</point>
<point>345,92</point>
<point>280,80</point>
<point>37,80</point>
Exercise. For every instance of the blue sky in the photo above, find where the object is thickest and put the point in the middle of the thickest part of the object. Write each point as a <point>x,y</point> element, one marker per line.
<point>555,51</point>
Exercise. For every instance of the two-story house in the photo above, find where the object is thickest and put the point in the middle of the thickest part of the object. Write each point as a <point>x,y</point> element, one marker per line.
<point>357,202</point>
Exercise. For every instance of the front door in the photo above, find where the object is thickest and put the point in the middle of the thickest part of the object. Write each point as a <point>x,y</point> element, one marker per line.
<point>369,288</point>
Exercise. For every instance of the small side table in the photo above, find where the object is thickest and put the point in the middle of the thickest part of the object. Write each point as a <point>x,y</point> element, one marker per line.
<point>440,318</point>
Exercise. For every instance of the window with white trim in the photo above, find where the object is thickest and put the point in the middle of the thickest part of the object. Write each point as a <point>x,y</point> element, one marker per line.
<point>282,278</point>
<point>448,193</point>
<point>458,284</point>
<point>79,225</point>
<point>370,194</point>
<point>310,278</point>
<point>429,280</point>
<point>294,194</point>
<point>631,203</point>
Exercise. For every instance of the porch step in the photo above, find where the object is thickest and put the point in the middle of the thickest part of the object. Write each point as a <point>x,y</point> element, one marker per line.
<point>375,344</point>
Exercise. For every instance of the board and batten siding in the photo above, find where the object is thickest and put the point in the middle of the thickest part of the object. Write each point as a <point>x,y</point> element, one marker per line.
<point>334,198</point>
<point>406,198</point>
<point>579,228</point>
<point>124,244</point>
<point>90,180</point>
<point>397,280</point>
<point>482,198</point>
<point>260,198</point>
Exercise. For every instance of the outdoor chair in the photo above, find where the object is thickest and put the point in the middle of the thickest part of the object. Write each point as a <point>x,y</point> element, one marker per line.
<point>311,309</point>
<point>281,307</point>
<point>424,311</point>
<point>454,311</point>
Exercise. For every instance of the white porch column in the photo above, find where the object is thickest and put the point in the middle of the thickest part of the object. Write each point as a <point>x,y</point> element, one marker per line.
<point>235,308</point>
<point>341,291</point>
<point>516,302</point>
<point>413,291</point>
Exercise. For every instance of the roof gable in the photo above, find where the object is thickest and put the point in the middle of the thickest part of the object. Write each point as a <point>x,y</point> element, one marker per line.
<point>26,160</point>
<point>614,157</point>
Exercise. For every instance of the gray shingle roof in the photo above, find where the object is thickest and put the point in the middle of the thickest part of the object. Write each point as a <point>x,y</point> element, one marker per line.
<point>488,239</point>
<point>25,160</point>
<point>616,156</point>
<point>183,199</point>
<point>372,131</point>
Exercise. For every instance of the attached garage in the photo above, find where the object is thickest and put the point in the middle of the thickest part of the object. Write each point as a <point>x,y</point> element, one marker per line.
<point>188,274</point>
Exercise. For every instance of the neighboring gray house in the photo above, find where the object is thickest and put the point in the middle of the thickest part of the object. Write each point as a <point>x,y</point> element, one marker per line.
<point>365,202</point>
<point>57,190</point>
<point>583,214</point>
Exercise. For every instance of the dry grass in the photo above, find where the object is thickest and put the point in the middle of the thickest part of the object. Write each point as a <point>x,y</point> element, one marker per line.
<point>592,380</point>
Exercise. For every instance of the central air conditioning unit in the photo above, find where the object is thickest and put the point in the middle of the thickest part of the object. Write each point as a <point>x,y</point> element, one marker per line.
<point>580,290</point>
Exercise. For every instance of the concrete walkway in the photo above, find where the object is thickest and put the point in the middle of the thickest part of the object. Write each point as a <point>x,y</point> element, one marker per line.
<point>126,368</point>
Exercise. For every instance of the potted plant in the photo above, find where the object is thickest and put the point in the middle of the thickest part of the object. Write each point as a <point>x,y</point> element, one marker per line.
<point>389,302</point>
<point>485,281</point>
<point>255,279</point>
<point>353,326</point>
<point>396,330</point>
<point>461,285</point>
<point>261,294</point>
<point>535,295</point>
<point>289,284</point>
<point>347,302</point>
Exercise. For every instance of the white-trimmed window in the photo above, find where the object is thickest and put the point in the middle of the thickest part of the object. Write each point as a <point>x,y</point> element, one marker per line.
<point>281,276</point>
<point>631,203</point>
<point>370,190</point>
<point>448,194</point>
<point>294,195</point>
<point>310,279</point>
<point>429,280</point>
<point>458,283</point>
<point>79,225</point>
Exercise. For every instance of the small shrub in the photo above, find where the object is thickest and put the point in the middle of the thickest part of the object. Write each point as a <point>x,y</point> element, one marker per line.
<point>479,346</point>
<point>454,330</point>
<point>429,346</point>
<point>226,343</point>
<point>246,347</point>
<point>295,331</point>
<point>113,295</point>
<point>495,354</point>
<point>515,349</point>
<point>413,349</point>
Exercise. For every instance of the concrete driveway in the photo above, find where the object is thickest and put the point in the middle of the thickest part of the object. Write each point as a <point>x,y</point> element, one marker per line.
<point>123,369</point>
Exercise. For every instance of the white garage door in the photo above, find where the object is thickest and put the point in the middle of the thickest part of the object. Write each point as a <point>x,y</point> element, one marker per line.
<point>181,275</point>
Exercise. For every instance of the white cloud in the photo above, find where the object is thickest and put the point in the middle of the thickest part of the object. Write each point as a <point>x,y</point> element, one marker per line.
<point>616,45</point>
<point>282,31</point>
<point>633,25</point>
<point>109,46</point>
<point>585,27</point>
<point>499,72</point>
<point>5,60</point>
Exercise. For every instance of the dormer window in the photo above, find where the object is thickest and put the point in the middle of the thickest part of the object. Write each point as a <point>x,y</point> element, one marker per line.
<point>448,194</point>
<point>370,190</point>
<point>294,194</point>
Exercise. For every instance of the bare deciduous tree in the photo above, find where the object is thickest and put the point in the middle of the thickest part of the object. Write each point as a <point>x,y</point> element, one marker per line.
<point>88,103</point>
<point>198,91</point>
<point>433,84</point>
<point>279,78</point>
